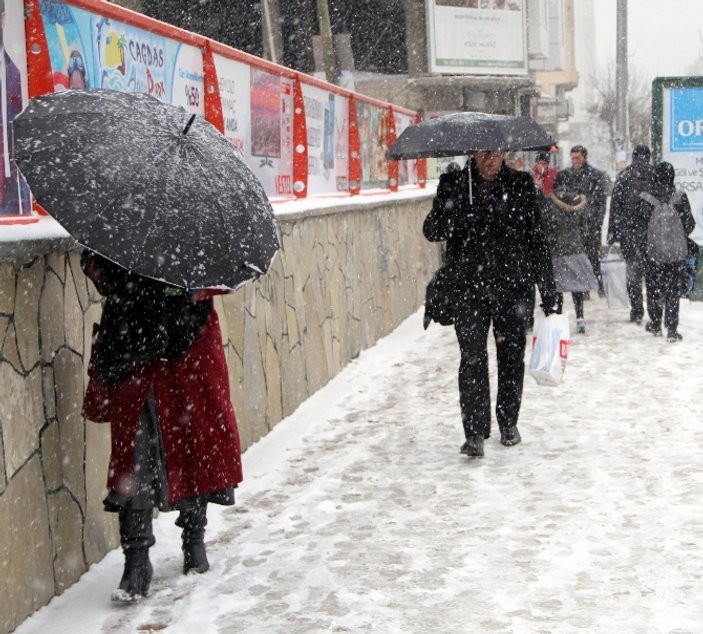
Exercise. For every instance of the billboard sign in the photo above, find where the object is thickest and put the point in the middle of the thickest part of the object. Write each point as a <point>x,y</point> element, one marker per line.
<point>677,136</point>
<point>477,37</point>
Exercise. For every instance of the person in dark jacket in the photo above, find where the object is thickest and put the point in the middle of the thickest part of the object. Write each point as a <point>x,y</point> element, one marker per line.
<point>595,184</point>
<point>158,375</point>
<point>664,281</point>
<point>629,216</point>
<point>496,253</point>
<point>572,270</point>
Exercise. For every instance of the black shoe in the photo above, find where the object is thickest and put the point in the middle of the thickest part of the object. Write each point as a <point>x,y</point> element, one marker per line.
<point>195,558</point>
<point>510,436</point>
<point>601,292</point>
<point>673,336</point>
<point>136,537</point>
<point>636,319</point>
<point>136,577</point>
<point>193,522</point>
<point>474,446</point>
<point>655,329</point>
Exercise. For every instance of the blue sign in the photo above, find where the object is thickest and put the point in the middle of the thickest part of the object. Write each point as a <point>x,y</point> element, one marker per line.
<point>686,132</point>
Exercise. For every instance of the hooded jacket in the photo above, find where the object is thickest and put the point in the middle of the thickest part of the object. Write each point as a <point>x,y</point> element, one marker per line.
<point>497,249</point>
<point>629,214</point>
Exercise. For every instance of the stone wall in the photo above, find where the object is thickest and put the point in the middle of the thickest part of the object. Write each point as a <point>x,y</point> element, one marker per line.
<point>345,277</point>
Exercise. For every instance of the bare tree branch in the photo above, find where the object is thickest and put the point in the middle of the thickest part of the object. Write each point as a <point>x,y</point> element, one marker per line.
<point>603,106</point>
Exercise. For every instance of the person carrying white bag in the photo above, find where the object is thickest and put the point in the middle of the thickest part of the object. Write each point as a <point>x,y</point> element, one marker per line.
<point>550,350</point>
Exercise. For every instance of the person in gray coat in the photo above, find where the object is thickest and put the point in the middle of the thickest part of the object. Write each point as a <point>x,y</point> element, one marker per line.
<point>561,220</point>
<point>595,184</point>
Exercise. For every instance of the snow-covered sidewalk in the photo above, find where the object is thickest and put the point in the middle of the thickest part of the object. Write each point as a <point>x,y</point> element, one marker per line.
<point>358,514</point>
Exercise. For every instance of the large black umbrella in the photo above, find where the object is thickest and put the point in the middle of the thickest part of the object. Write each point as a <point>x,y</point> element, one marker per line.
<point>147,185</point>
<point>461,133</point>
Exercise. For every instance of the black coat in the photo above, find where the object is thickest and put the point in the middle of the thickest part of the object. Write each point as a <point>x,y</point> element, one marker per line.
<point>629,214</point>
<point>591,182</point>
<point>142,319</point>
<point>499,251</point>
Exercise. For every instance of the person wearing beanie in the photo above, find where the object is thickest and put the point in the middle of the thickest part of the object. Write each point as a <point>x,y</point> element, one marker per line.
<point>628,223</point>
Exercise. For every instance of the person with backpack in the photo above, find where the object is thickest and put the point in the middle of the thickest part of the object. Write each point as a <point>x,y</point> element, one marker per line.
<point>629,217</point>
<point>670,222</point>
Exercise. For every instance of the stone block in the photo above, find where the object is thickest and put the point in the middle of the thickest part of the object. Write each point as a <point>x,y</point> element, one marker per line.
<point>26,570</point>
<point>3,478</point>
<point>68,378</point>
<point>50,444</point>
<point>51,305</point>
<point>66,522</point>
<point>7,288</point>
<point>73,317</point>
<point>80,281</point>
<point>49,392</point>
<point>21,415</point>
<point>29,285</point>
<point>272,368</point>
<point>253,409</point>
<point>9,349</point>
<point>56,261</point>
<point>100,530</point>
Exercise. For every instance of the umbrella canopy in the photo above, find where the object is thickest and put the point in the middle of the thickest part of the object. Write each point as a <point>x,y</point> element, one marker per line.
<point>465,132</point>
<point>148,185</point>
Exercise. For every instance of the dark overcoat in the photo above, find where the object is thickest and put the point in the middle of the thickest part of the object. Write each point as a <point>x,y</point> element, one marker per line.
<point>499,250</point>
<point>629,214</point>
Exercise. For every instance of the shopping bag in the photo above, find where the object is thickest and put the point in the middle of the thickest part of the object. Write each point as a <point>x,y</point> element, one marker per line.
<point>550,350</point>
<point>614,271</point>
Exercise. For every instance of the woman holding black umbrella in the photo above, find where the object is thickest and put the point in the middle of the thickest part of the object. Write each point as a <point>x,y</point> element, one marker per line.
<point>158,375</point>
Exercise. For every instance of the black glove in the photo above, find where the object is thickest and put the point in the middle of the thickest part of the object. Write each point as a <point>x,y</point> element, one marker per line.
<point>549,305</point>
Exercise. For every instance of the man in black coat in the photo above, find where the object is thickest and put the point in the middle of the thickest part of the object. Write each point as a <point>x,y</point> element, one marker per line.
<point>595,185</point>
<point>496,252</point>
<point>629,219</point>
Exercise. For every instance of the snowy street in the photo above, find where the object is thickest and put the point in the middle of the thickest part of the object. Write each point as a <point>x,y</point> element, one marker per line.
<point>358,514</point>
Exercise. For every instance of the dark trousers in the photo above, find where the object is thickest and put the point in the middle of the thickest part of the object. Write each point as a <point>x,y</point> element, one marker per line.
<point>636,269</point>
<point>578,303</point>
<point>592,244</point>
<point>473,318</point>
<point>663,293</point>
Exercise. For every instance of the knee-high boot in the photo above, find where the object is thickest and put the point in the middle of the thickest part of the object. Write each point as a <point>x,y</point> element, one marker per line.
<point>193,522</point>
<point>136,537</point>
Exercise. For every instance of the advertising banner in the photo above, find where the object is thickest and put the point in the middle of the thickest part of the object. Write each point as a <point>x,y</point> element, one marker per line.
<point>477,37</point>
<point>88,50</point>
<point>408,169</point>
<point>14,193</point>
<point>681,140</point>
<point>373,138</point>
<point>326,120</point>
<point>270,151</point>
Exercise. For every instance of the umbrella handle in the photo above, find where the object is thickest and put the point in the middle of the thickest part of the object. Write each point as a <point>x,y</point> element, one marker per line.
<point>190,123</point>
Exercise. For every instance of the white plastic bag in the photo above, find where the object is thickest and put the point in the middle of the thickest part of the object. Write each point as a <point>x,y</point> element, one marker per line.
<point>550,350</point>
<point>614,272</point>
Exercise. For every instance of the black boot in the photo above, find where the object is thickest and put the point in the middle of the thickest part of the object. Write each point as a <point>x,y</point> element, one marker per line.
<point>193,522</point>
<point>136,536</point>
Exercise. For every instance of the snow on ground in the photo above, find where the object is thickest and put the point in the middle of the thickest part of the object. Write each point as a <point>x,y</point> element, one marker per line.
<point>358,514</point>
